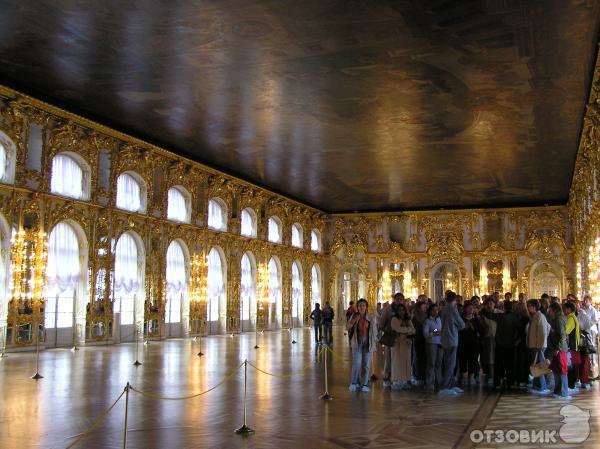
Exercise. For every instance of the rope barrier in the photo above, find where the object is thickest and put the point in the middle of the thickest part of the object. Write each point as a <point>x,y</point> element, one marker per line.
<point>285,376</point>
<point>98,421</point>
<point>181,398</point>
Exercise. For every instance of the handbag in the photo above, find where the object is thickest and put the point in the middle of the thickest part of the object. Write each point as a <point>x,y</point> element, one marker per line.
<point>388,338</point>
<point>586,345</point>
<point>540,369</point>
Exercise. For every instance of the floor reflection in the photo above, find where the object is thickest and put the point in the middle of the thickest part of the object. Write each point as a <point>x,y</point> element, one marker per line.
<point>285,412</point>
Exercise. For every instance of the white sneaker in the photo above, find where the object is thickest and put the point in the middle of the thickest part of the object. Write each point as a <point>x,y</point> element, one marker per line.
<point>365,389</point>
<point>353,387</point>
<point>447,392</point>
<point>387,384</point>
<point>457,390</point>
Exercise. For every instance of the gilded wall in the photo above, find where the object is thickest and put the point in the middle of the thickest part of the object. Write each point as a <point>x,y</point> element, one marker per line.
<point>584,207</point>
<point>363,255</point>
<point>471,252</point>
<point>33,132</point>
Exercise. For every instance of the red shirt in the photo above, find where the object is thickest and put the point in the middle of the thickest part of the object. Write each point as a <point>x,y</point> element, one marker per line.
<point>363,326</point>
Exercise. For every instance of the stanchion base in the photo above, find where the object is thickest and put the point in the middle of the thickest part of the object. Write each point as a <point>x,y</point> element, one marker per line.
<point>194,339</point>
<point>3,355</point>
<point>37,376</point>
<point>137,363</point>
<point>326,397</point>
<point>374,378</point>
<point>256,346</point>
<point>232,335</point>
<point>294,342</point>
<point>200,354</point>
<point>74,348</point>
<point>147,342</point>
<point>244,430</point>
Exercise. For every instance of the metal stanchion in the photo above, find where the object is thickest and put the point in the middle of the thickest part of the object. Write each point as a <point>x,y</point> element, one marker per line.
<point>137,346</point>
<point>326,396</point>
<point>293,339</point>
<point>74,348</point>
<point>136,334</point>
<point>200,353</point>
<point>37,374</point>
<point>256,332</point>
<point>126,413</point>
<point>245,430</point>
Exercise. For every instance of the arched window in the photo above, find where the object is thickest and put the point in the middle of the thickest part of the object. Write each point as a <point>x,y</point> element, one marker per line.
<point>315,240</point>
<point>177,284</point>
<point>215,284</point>
<point>178,204</point>
<point>315,286</point>
<point>69,177</point>
<point>3,162</point>
<point>274,293</point>
<point>248,228</point>
<point>247,292</point>
<point>217,214</point>
<point>274,230</point>
<point>63,277</point>
<point>7,159</point>
<point>297,237</point>
<point>131,193</point>
<point>297,294</point>
<point>128,284</point>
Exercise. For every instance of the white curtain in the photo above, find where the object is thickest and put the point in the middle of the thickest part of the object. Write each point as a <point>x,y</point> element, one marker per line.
<point>248,224</point>
<point>3,161</point>
<point>63,271</point>
<point>215,283</point>
<point>296,236</point>
<point>128,193</point>
<point>274,230</point>
<point>177,207</point>
<point>127,278</point>
<point>247,288</point>
<point>67,177</point>
<point>216,216</point>
<point>296,290</point>
<point>274,282</point>
<point>315,283</point>
<point>176,282</point>
<point>314,241</point>
<point>126,265</point>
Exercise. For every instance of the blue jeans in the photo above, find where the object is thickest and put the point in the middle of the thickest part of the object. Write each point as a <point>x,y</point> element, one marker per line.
<point>449,366</point>
<point>434,364</point>
<point>361,362</point>
<point>537,356</point>
<point>327,332</point>
<point>318,333</point>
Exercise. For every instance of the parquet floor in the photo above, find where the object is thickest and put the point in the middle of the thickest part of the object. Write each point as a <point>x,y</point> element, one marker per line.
<point>285,412</point>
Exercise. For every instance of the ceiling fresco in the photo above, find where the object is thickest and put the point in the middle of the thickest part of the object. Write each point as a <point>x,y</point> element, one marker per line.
<point>345,105</point>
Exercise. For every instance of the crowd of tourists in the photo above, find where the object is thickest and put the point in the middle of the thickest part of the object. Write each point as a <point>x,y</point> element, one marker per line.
<point>541,345</point>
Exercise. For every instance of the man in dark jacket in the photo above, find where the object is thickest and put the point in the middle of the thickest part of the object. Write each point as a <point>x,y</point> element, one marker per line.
<point>328,316</point>
<point>317,317</point>
<point>507,338</point>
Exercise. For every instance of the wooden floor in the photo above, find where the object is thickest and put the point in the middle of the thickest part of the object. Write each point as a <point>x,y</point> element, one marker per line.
<point>285,412</point>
